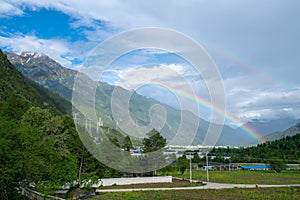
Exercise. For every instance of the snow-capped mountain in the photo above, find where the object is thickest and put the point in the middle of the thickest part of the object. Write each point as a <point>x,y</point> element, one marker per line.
<point>45,71</point>
<point>31,61</point>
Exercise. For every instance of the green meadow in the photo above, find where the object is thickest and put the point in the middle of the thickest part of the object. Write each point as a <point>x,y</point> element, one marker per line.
<point>244,177</point>
<point>291,193</point>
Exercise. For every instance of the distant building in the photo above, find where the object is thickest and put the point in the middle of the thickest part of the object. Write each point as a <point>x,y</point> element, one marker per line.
<point>209,167</point>
<point>136,152</point>
<point>255,167</point>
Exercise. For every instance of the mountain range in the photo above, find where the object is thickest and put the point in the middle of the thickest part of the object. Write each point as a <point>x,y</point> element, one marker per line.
<point>18,93</point>
<point>50,74</point>
<point>282,134</point>
<point>267,127</point>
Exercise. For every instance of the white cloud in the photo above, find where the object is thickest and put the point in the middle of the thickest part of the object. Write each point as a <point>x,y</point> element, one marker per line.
<point>245,101</point>
<point>132,78</point>
<point>7,10</point>
<point>150,81</point>
<point>258,103</point>
<point>56,49</point>
<point>263,35</point>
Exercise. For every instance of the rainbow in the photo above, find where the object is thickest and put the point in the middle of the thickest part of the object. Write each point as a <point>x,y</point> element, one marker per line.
<point>203,102</point>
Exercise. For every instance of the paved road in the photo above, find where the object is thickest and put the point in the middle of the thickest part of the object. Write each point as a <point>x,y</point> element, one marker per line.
<point>208,186</point>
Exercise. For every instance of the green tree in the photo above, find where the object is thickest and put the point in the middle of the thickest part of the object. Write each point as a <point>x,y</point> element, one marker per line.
<point>276,165</point>
<point>196,158</point>
<point>154,142</point>
<point>285,149</point>
<point>36,117</point>
<point>183,163</point>
<point>10,165</point>
<point>30,156</point>
<point>127,144</point>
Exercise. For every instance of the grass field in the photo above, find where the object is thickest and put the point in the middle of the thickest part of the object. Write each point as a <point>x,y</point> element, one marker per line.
<point>224,194</point>
<point>245,177</point>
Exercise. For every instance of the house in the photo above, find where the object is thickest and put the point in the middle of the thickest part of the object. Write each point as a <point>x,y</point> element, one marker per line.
<point>255,167</point>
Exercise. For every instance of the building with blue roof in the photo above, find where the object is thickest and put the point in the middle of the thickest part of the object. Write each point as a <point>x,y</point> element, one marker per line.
<point>255,167</point>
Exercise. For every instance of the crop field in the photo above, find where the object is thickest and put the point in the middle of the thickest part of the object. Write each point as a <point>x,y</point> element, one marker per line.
<point>291,193</point>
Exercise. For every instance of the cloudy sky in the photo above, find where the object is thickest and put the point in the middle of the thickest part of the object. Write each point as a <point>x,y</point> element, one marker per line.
<point>254,44</point>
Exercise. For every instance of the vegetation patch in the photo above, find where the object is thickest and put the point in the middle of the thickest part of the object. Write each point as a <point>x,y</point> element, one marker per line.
<point>291,193</point>
<point>244,177</point>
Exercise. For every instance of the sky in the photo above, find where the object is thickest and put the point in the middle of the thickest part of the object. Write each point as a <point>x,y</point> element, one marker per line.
<point>254,44</point>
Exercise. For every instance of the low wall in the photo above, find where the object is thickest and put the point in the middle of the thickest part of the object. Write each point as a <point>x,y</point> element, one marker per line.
<point>133,180</point>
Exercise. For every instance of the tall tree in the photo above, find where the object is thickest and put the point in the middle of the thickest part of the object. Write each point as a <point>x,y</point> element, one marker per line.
<point>154,142</point>
<point>183,163</point>
<point>127,144</point>
<point>196,158</point>
<point>33,158</point>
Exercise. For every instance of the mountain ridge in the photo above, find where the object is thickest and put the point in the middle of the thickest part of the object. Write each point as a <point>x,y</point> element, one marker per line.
<point>266,127</point>
<point>60,80</point>
<point>282,134</point>
<point>45,71</point>
<point>18,93</point>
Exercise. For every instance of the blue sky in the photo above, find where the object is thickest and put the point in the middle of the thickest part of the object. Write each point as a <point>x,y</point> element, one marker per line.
<point>255,44</point>
<point>43,23</point>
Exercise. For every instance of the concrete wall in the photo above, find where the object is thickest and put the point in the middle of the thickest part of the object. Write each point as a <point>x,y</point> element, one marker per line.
<point>133,180</point>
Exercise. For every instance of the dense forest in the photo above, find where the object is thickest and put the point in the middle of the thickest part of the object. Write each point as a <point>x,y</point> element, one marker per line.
<point>286,149</point>
<point>39,143</point>
<point>38,140</point>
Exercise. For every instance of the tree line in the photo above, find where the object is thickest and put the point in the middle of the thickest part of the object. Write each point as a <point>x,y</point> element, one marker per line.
<point>286,149</point>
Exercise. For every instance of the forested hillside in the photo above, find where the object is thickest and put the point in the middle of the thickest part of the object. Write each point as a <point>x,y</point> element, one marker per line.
<point>286,149</point>
<point>38,144</point>
<point>17,93</point>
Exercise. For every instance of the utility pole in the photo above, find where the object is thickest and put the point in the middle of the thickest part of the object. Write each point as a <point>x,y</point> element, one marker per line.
<point>99,124</point>
<point>207,177</point>
<point>190,157</point>
<point>190,167</point>
<point>75,118</point>
<point>88,125</point>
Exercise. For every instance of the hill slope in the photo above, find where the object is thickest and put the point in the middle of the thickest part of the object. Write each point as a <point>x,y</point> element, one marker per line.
<point>45,71</point>
<point>37,145</point>
<point>266,127</point>
<point>17,93</point>
<point>56,78</point>
<point>289,132</point>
